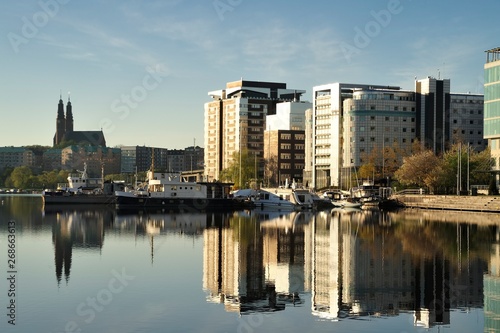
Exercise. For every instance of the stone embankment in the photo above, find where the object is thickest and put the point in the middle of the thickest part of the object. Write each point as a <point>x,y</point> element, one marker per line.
<point>481,203</point>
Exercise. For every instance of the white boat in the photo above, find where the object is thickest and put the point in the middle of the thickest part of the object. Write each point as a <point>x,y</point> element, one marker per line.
<point>300,198</point>
<point>170,191</point>
<point>348,203</point>
<point>82,189</point>
<point>271,201</point>
<point>342,199</point>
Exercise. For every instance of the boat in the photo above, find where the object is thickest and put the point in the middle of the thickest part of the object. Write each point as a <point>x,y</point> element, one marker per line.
<point>267,200</point>
<point>171,191</point>
<point>371,195</point>
<point>82,189</point>
<point>301,199</point>
<point>340,199</point>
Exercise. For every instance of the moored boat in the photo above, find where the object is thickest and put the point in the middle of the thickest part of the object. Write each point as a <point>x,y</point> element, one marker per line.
<point>170,191</point>
<point>82,189</point>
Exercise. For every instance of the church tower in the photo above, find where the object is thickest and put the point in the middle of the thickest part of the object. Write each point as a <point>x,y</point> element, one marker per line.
<point>69,117</point>
<point>60,123</point>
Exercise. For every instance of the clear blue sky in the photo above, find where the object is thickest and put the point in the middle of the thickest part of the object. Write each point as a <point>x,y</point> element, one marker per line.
<point>141,70</point>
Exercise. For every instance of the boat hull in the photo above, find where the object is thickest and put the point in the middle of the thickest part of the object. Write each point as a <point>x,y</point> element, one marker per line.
<point>82,199</point>
<point>186,204</point>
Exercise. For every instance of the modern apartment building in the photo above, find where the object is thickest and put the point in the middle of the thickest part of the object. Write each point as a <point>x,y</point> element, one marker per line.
<point>492,103</point>
<point>376,119</point>
<point>349,121</point>
<point>466,118</point>
<point>284,144</point>
<point>432,101</point>
<point>327,131</point>
<point>235,120</point>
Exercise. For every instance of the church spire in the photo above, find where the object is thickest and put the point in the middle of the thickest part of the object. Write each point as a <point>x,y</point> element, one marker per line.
<point>60,122</point>
<point>69,116</point>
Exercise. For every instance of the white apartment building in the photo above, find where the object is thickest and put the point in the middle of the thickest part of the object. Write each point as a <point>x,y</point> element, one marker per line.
<point>235,120</point>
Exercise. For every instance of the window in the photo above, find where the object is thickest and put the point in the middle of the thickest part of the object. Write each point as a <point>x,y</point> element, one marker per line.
<point>372,139</point>
<point>372,117</point>
<point>386,118</point>
<point>362,139</point>
<point>372,128</point>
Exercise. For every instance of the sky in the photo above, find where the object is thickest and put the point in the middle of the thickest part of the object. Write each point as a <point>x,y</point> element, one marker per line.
<point>141,70</point>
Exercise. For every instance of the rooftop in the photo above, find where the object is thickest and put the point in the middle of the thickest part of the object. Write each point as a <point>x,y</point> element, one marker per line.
<point>492,55</point>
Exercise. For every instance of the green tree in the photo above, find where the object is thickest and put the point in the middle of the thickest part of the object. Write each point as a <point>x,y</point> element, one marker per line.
<point>246,170</point>
<point>20,177</point>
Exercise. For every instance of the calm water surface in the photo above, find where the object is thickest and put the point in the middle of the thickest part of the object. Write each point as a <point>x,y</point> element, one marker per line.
<point>95,270</point>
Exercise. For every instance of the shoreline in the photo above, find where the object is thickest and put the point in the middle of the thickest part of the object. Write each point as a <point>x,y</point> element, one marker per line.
<point>480,203</point>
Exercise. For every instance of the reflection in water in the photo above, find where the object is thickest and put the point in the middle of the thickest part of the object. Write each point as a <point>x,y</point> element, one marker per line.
<point>347,264</point>
<point>352,263</point>
<point>82,230</point>
<point>251,265</point>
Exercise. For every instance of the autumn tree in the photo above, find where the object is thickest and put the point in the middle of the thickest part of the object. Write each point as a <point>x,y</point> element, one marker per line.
<point>416,168</point>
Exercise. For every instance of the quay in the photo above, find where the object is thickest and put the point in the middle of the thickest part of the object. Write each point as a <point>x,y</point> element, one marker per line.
<point>480,203</point>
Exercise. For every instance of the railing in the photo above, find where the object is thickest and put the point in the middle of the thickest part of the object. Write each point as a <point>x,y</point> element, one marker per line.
<point>411,191</point>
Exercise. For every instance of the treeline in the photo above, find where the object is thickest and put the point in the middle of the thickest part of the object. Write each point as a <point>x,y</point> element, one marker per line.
<point>460,165</point>
<point>23,177</point>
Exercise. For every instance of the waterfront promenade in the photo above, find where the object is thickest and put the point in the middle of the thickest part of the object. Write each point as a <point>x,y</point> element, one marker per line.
<point>481,203</point>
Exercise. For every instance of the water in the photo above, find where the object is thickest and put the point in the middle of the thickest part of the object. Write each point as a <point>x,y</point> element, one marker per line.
<point>93,270</point>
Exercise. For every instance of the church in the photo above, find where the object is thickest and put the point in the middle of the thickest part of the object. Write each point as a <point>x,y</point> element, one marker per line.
<point>65,132</point>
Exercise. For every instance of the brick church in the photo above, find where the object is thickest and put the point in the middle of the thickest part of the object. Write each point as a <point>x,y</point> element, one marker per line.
<point>65,132</point>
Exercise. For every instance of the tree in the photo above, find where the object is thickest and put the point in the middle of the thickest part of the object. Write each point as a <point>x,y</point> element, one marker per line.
<point>20,177</point>
<point>234,171</point>
<point>416,168</point>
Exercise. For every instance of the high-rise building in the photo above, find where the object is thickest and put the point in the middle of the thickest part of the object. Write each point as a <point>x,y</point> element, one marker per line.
<point>466,120</point>
<point>284,144</point>
<point>350,122</point>
<point>235,121</point>
<point>492,103</point>
<point>432,102</point>
<point>327,130</point>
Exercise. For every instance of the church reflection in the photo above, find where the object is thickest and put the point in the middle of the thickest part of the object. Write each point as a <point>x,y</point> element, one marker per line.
<point>75,231</point>
<point>349,263</point>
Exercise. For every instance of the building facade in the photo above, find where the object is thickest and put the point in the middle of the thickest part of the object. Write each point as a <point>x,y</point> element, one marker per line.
<point>432,102</point>
<point>376,119</point>
<point>327,131</point>
<point>235,120</point>
<point>12,157</point>
<point>98,159</point>
<point>466,118</point>
<point>492,103</point>
<point>284,144</point>
<point>348,122</point>
<point>139,158</point>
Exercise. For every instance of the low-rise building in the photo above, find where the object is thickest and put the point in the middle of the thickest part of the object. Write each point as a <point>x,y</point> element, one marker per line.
<point>15,157</point>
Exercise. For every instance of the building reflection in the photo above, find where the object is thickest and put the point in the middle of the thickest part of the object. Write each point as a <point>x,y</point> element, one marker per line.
<point>74,230</point>
<point>350,263</point>
<point>255,262</point>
